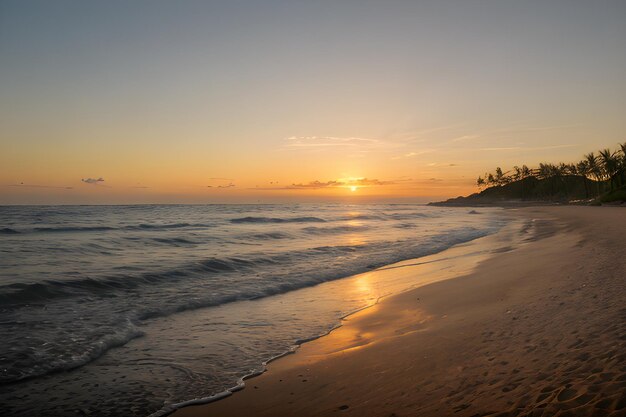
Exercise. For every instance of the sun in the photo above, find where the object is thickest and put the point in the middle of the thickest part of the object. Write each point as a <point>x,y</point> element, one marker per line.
<point>353,188</point>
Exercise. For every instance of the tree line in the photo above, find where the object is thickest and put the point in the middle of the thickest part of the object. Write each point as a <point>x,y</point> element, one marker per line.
<point>607,168</point>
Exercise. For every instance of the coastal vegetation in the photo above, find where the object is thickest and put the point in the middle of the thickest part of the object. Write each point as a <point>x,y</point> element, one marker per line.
<point>597,178</point>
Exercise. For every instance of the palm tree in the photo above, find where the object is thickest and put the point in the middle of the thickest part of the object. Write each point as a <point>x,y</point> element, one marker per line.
<point>517,173</point>
<point>523,173</point>
<point>480,182</point>
<point>572,169</point>
<point>610,165</point>
<point>594,169</point>
<point>562,171</point>
<point>544,171</point>
<point>609,162</point>
<point>548,171</point>
<point>583,170</point>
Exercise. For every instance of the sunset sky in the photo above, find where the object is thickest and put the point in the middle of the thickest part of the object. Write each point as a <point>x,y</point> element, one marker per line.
<point>273,101</point>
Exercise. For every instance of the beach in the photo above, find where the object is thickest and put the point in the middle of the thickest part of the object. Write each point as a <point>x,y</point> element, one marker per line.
<point>538,329</point>
<point>140,308</point>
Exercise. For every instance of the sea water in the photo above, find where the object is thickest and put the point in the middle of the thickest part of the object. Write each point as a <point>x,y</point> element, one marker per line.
<point>126,310</point>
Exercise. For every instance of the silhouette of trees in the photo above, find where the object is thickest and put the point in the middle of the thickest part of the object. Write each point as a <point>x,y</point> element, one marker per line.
<point>583,170</point>
<point>607,168</point>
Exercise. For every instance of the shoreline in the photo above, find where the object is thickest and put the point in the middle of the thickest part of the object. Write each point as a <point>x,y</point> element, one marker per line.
<point>348,344</point>
<point>460,258</point>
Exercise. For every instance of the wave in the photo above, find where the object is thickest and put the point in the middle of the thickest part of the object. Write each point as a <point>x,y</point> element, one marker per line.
<point>20,294</point>
<point>337,261</point>
<point>410,216</point>
<point>361,217</point>
<point>333,257</point>
<point>329,230</point>
<point>73,229</point>
<point>175,241</point>
<point>59,363</point>
<point>250,219</point>
<point>161,226</point>
<point>269,236</point>
<point>142,226</point>
<point>8,231</point>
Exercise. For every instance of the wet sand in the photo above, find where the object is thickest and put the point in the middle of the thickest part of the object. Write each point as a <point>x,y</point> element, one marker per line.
<point>539,330</point>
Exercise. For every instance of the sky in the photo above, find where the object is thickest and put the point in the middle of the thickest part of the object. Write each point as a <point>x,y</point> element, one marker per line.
<point>113,102</point>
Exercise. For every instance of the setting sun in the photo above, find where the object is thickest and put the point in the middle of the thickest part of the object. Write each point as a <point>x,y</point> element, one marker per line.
<point>353,188</point>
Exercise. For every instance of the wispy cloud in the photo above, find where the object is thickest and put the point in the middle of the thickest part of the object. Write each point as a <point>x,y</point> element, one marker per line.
<point>317,184</point>
<point>329,141</point>
<point>351,182</point>
<point>541,128</point>
<point>340,183</point>
<point>529,148</point>
<point>360,145</point>
<point>413,154</point>
<point>221,182</point>
<point>93,181</point>
<point>441,164</point>
<point>231,185</point>
<point>465,138</point>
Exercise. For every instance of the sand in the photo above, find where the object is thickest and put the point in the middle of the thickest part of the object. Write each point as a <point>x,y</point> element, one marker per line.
<point>539,331</point>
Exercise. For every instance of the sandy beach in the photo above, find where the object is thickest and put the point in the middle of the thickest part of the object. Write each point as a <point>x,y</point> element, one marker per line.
<point>539,330</point>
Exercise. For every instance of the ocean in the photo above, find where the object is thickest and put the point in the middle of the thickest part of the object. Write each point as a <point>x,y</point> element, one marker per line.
<point>128,310</point>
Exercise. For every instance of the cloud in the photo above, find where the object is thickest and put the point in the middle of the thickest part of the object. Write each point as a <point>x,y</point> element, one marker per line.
<point>321,143</point>
<point>540,128</point>
<point>221,182</point>
<point>413,154</point>
<point>317,184</point>
<point>389,142</point>
<point>39,186</point>
<point>365,181</point>
<point>317,141</point>
<point>441,164</point>
<point>92,180</point>
<point>231,185</point>
<point>529,148</point>
<point>465,138</point>
<point>344,182</point>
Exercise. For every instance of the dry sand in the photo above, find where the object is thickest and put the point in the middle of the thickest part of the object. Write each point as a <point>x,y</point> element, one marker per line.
<point>537,331</point>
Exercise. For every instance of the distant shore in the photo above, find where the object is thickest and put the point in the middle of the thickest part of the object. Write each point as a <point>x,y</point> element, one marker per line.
<point>534,330</point>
